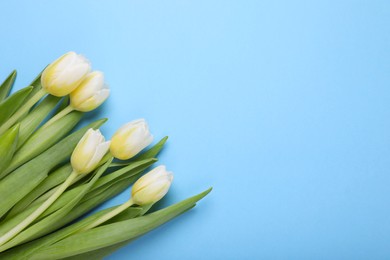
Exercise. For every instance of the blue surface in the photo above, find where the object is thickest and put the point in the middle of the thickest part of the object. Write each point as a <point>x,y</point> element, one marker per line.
<point>282,106</point>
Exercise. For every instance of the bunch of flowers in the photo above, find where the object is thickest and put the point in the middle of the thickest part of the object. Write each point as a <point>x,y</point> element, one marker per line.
<point>52,175</point>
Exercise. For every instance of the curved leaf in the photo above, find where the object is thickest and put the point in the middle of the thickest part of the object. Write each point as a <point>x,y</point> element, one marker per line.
<point>55,178</point>
<point>12,103</point>
<point>116,233</point>
<point>44,138</point>
<point>30,123</point>
<point>27,177</point>
<point>8,143</point>
<point>6,86</point>
<point>51,222</point>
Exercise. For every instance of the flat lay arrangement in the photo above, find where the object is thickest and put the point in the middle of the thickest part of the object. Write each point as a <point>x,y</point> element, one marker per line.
<point>52,173</point>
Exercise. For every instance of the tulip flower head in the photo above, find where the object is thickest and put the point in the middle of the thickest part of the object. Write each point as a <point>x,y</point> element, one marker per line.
<point>89,152</point>
<point>151,187</point>
<point>130,139</point>
<point>91,92</point>
<point>64,75</point>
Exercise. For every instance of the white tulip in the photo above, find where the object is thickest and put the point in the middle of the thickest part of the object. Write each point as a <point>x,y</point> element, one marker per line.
<point>64,75</point>
<point>130,139</point>
<point>89,152</point>
<point>91,92</point>
<point>148,189</point>
<point>151,187</point>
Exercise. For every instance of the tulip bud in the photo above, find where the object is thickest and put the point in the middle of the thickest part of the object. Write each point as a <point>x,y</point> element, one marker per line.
<point>89,152</point>
<point>64,75</point>
<point>151,187</point>
<point>130,139</point>
<point>91,92</point>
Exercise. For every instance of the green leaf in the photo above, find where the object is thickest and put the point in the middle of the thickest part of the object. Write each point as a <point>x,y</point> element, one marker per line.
<point>83,207</point>
<point>101,196</point>
<point>54,179</point>
<point>30,123</point>
<point>51,222</point>
<point>24,179</point>
<point>36,83</point>
<point>100,192</point>
<point>6,86</point>
<point>102,183</point>
<point>12,103</point>
<point>8,143</point>
<point>44,138</point>
<point>105,251</point>
<point>125,172</point>
<point>128,213</point>
<point>36,86</point>
<point>24,251</point>
<point>87,205</point>
<point>116,233</point>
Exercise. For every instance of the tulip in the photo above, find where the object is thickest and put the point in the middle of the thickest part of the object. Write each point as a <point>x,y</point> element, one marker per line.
<point>130,139</point>
<point>151,187</point>
<point>91,92</point>
<point>148,189</point>
<point>64,75</point>
<point>59,79</point>
<point>89,152</point>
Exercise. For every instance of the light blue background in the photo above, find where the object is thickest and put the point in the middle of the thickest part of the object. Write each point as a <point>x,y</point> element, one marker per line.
<point>282,106</point>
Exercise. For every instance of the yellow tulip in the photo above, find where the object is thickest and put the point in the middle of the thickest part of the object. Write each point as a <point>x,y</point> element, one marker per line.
<point>89,152</point>
<point>130,139</point>
<point>91,92</point>
<point>151,187</point>
<point>64,75</point>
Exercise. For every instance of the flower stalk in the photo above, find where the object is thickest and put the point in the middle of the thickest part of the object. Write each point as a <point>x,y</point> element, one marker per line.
<point>85,158</point>
<point>148,189</point>
<point>108,216</point>
<point>58,116</point>
<point>27,221</point>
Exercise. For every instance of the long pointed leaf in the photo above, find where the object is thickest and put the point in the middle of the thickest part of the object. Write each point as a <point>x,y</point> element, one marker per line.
<point>104,182</point>
<point>12,103</point>
<point>101,253</point>
<point>26,250</point>
<point>51,223</point>
<point>30,123</point>
<point>130,170</point>
<point>6,86</point>
<point>85,205</point>
<point>105,188</point>
<point>27,177</point>
<point>44,138</point>
<point>36,84</point>
<point>112,234</point>
<point>54,179</point>
<point>8,143</point>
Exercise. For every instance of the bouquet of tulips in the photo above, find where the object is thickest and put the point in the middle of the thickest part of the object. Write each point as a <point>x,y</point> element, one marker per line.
<point>52,175</point>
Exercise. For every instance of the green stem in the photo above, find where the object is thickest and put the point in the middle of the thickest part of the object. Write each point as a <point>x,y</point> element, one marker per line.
<point>48,193</point>
<point>108,216</point>
<point>33,216</point>
<point>58,116</point>
<point>21,111</point>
